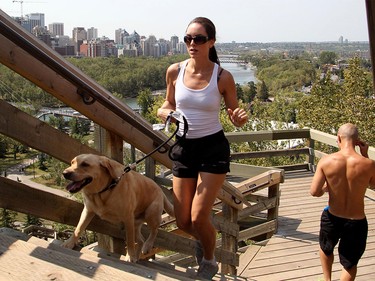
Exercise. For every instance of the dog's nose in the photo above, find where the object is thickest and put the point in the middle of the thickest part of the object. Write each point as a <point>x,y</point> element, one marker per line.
<point>67,174</point>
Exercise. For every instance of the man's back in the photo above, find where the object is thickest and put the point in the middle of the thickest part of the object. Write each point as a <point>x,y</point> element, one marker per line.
<point>347,176</point>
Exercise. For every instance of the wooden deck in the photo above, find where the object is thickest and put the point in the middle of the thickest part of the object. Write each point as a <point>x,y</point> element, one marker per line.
<point>292,253</point>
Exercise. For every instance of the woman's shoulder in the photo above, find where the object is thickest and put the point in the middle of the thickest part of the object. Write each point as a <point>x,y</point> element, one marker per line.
<point>174,68</point>
<point>224,75</point>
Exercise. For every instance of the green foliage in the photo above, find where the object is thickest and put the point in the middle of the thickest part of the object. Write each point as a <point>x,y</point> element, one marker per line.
<point>14,88</point>
<point>331,104</point>
<point>127,76</point>
<point>7,218</point>
<point>79,126</point>
<point>250,91</point>
<point>327,57</point>
<point>288,75</point>
<point>145,101</point>
<point>262,92</point>
<point>240,92</point>
<point>152,114</point>
<point>32,220</point>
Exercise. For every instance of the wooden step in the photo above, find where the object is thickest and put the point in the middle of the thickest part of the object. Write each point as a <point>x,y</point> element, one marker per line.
<point>24,257</point>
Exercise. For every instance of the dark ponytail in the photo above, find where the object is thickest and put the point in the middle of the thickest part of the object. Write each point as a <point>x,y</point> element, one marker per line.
<point>211,33</point>
<point>213,55</point>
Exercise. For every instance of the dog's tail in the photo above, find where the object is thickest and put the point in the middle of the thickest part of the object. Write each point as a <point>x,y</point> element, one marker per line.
<point>168,206</point>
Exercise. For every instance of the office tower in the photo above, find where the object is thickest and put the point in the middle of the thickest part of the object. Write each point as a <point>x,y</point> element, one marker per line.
<point>174,43</point>
<point>32,20</point>
<point>92,33</point>
<point>119,35</point>
<point>79,35</point>
<point>56,28</point>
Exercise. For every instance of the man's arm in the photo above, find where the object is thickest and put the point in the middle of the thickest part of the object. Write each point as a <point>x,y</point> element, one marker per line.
<point>318,184</point>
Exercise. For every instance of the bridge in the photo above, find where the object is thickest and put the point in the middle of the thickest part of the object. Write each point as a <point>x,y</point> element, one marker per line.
<point>231,59</point>
<point>60,112</point>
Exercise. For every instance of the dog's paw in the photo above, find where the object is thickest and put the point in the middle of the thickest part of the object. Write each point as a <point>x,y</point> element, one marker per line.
<point>130,259</point>
<point>146,248</point>
<point>70,244</point>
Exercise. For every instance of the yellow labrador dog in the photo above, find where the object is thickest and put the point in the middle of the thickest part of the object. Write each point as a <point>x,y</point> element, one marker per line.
<point>116,196</point>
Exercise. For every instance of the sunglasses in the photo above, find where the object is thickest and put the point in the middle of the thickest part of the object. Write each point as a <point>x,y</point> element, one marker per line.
<point>198,39</point>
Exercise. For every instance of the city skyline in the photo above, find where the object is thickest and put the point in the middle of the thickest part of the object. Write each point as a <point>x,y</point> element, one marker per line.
<point>248,21</point>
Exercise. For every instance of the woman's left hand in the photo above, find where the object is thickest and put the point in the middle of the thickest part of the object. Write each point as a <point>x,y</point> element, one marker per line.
<point>238,116</point>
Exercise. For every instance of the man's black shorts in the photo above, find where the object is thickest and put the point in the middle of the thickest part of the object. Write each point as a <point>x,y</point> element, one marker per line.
<point>209,154</point>
<point>351,233</point>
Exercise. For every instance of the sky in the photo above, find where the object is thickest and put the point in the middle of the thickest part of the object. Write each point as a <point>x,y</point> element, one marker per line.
<point>235,20</point>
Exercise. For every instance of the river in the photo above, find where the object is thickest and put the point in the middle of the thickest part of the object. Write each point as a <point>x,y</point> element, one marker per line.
<point>242,74</point>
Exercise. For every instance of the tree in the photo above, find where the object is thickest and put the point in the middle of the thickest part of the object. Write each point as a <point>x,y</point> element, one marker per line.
<point>7,218</point>
<point>32,220</point>
<point>252,92</point>
<point>145,101</point>
<point>327,57</point>
<point>319,109</point>
<point>262,92</point>
<point>331,104</point>
<point>240,92</point>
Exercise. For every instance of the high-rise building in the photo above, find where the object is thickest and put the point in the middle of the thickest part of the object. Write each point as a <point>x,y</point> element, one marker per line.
<point>174,43</point>
<point>56,28</point>
<point>149,46</point>
<point>119,35</point>
<point>92,33</point>
<point>79,35</point>
<point>32,20</point>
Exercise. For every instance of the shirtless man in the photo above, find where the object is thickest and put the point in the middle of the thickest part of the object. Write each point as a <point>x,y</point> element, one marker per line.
<point>345,175</point>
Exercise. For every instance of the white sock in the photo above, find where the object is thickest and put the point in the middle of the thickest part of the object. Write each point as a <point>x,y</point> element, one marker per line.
<point>213,261</point>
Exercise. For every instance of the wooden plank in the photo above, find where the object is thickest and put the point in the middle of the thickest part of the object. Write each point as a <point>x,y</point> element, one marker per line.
<point>48,205</point>
<point>269,153</point>
<point>250,136</point>
<point>44,264</point>
<point>261,206</point>
<point>247,171</point>
<point>257,230</point>
<point>28,130</point>
<point>260,181</point>
<point>247,257</point>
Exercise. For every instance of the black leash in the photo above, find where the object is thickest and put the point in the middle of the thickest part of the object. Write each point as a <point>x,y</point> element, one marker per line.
<point>176,116</point>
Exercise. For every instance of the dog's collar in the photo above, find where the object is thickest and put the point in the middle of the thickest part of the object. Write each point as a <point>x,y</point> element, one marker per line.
<point>112,185</point>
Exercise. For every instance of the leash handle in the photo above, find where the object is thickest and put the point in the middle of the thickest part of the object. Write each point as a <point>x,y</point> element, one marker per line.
<point>178,117</point>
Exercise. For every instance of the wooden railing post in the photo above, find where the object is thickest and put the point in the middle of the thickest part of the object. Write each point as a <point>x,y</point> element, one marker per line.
<point>150,168</point>
<point>229,242</point>
<point>110,145</point>
<point>272,213</point>
<point>310,158</point>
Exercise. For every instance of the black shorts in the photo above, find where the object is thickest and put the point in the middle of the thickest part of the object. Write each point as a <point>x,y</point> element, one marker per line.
<point>351,233</point>
<point>209,154</point>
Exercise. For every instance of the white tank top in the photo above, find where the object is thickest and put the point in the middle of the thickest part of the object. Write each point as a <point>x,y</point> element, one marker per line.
<point>200,107</point>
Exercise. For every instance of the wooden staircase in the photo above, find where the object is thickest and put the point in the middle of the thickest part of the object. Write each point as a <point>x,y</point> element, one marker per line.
<point>25,257</point>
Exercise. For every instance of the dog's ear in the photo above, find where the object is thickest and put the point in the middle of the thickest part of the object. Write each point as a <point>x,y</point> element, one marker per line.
<point>114,168</point>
